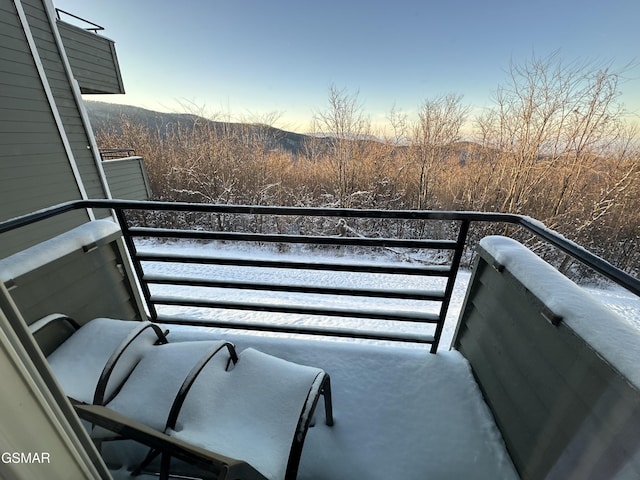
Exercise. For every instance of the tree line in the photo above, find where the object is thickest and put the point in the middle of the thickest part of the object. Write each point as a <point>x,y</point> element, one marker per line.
<point>556,144</point>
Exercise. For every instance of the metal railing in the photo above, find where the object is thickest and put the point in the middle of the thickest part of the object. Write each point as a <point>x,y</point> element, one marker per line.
<point>95,28</point>
<point>115,153</point>
<point>458,223</point>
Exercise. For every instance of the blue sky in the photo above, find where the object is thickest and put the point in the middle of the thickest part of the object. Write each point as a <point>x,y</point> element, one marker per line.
<point>249,58</point>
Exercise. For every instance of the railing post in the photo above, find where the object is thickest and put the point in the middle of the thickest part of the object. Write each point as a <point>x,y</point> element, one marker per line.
<point>451,280</point>
<point>137,265</point>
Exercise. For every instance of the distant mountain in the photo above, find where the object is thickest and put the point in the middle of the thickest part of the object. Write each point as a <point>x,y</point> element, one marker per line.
<point>109,116</point>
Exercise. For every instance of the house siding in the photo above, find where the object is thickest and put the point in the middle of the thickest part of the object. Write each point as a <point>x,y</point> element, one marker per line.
<point>64,98</point>
<point>93,60</point>
<point>128,178</point>
<point>35,168</point>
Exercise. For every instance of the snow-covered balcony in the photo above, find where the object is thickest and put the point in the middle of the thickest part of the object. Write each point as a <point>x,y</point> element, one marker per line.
<point>535,372</point>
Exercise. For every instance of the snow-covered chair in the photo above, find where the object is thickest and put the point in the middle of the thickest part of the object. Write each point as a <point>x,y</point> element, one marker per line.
<point>196,401</point>
<point>255,407</point>
<point>218,466</point>
<point>259,410</point>
<point>92,363</point>
<point>95,360</point>
<point>149,391</point>
<point>154,382</point>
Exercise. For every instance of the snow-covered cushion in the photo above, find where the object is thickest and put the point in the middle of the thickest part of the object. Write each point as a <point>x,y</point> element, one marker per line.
<point>80,360</point>
<point>250,412</point>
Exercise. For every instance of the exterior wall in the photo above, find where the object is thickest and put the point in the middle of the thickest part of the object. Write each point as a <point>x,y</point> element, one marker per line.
<point>564,411</point>
<point>127,178</point>
<point>59,80</point>
<point>93,60</point>
<point>48,153</point>
<point>32,154</point>
<point>34,168</point>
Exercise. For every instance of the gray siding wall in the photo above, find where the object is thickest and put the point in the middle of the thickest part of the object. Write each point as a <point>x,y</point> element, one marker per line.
<point>35,170</point>
<point>127,178</point>
<point>564,412</point>
<point>93,60</point>
<point>64,97</point>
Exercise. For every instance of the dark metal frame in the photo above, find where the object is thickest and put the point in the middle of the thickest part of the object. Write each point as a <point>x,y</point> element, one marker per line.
<point>219,465</point>
<point>456,246</point>
<point>95,28</point>
<point>116,153</point>
<point>134,335</point>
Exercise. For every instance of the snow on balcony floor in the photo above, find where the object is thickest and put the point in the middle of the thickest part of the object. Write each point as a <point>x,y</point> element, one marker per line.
<point>399,412</point>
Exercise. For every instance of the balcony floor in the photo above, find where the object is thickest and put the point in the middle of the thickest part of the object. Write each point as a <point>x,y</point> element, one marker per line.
<point>400,412</point>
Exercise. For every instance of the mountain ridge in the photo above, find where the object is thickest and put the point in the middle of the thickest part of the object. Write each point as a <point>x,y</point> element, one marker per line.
<point>110,116</point>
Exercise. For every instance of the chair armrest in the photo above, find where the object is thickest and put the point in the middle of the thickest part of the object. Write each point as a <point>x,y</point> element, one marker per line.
<point>188,381</point>
<point>224,467</point>
<point>40,324</point>
<point>51,331</point>
<point>101,387</point>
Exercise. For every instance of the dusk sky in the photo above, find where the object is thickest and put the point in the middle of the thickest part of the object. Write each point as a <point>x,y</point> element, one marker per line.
<point>249,58</point>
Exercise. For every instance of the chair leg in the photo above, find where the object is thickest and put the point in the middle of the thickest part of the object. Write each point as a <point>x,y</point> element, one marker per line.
<point>147,460</point>
<point>165,466</point>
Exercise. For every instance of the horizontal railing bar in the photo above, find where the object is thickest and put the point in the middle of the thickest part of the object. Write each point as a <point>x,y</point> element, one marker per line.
<point>300,329</point>
<point>298,309</point>
<point>426,270</point>
<point>574,250</point>
<point>406,294</point>
<point>262,210</point>
<point>301,211</point>
<point>581,254</point>
<point>298,239</point>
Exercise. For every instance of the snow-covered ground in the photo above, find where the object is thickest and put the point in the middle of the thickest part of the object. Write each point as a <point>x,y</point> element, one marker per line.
<point>616,298</point>
<point>400,412</point>
<point>301,277</point>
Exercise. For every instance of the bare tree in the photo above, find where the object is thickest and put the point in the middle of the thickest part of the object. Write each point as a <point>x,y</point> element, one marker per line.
<point>434,136</point>
<point>551,119</point>
<point>345,124</point>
